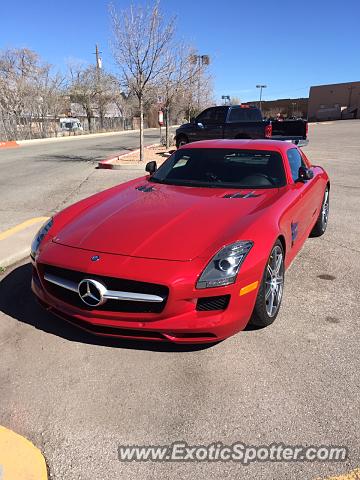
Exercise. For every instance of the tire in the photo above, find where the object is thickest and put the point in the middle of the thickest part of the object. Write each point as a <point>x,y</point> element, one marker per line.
<point>181,140</point>
<point>322,220</point>
<point>268,300</point>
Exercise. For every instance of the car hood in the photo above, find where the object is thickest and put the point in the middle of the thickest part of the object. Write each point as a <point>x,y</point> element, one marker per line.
<point>164,221</point>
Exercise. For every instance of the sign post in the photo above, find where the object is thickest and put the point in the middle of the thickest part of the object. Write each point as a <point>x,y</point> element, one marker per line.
<point>160,120</point>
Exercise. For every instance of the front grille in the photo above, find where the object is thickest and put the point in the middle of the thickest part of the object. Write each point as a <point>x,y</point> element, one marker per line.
<point>111,283</point>
<point>213,303</point>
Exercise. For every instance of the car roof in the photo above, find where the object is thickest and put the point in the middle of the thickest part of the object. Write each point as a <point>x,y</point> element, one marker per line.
<point>275,145</point>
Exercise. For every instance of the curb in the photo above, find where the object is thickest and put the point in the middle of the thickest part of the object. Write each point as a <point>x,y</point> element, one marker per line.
<point>15,242</point>
<point>13,259</point>
<point>19,458</point>
<point>107,163</point>
<point>11,144</point>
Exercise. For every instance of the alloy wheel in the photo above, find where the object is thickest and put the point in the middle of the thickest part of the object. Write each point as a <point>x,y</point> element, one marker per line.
<point>325,210</point>
<point>274,281</point>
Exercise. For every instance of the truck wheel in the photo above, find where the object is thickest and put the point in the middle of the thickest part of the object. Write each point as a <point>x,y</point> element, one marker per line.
<point>322,221</point>
<point>270,293</point>
<point>181,140</point>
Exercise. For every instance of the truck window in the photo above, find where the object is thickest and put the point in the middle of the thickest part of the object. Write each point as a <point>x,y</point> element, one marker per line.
<point>295,161</point>
<point>244,115</point>
<point>212,116</point>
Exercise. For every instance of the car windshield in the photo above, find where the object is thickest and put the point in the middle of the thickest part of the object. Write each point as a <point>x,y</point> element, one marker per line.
<point>217,167</point>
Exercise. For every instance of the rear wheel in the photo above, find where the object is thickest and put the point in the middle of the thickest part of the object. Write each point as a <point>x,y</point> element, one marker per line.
<point>270,293</point>
<point>181,140</point>
<point>322,221</point>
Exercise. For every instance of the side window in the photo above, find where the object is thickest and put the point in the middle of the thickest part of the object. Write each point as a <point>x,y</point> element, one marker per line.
<point>254,116</point>
<point>295,161</point>
<point>205,116</point>
<point>212,116</point>
<point>237,115</point>
<point>244,115</point>
<point>220,114</point>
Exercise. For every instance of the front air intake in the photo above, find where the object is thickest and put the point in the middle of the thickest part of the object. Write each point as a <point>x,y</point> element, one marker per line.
<point>213,303</point>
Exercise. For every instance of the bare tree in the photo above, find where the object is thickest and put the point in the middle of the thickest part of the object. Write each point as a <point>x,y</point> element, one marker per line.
<point>83,88</point>
<point>30,94</point>
<point>48,100</point>
<point>235,101</point>
<point>108,93</point>
<point>197,92</point>
<point>176,81</point>
<point>18,71</point>
<point>140,39</point>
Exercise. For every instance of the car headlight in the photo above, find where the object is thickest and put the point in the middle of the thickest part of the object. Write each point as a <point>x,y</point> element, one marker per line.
<point>225,265</point>
<point>39,237</point>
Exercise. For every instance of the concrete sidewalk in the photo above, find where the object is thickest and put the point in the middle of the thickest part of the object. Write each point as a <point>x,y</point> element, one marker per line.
<point>81,137</point>
<point>86,135</point>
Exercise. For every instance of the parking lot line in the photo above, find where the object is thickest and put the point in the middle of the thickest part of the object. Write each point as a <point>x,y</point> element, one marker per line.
<point>19,458</point>
<point>353,475</point>
<point>22,226</point>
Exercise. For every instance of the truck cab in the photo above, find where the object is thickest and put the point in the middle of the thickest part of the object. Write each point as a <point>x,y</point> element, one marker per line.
<point>239,122</point>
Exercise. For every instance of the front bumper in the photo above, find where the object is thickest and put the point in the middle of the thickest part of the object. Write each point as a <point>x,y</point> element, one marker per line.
<point>179,321</point>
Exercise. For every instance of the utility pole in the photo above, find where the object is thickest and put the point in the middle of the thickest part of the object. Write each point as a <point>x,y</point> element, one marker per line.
<point>261,89</point>
<point>98,83</point>
<point>98,58</point>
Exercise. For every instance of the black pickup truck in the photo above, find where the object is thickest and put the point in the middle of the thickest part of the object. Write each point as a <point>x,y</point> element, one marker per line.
<point>240,121</point>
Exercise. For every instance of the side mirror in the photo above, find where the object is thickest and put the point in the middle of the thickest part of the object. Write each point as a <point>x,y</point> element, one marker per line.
<point>151,167</point>
<point>305,174</point>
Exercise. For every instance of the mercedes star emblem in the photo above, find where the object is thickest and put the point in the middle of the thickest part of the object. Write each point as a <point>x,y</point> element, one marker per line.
<point>91,292</point>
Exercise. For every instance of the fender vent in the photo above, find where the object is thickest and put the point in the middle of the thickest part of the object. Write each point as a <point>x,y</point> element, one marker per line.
<point>145,188</point>
<point>241,195</point>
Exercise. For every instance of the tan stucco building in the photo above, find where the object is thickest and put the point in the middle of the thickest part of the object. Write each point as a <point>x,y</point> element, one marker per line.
<point>334,102</point>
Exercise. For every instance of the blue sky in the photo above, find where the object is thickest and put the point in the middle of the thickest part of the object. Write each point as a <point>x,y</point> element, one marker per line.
<point>286,44</point>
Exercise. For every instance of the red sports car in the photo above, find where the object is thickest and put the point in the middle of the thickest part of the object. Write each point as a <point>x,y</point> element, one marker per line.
<point>190,253</point>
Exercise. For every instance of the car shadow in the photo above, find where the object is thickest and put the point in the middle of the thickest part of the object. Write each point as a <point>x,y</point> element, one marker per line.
<point>18,302</point>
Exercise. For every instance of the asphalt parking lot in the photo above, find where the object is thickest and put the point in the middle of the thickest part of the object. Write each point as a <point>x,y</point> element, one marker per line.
<point>78,397</point>
<point>43,176</point>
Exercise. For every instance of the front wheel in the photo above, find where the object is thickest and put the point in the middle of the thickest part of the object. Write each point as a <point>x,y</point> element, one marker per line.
<point>270,293</point>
